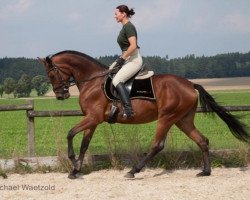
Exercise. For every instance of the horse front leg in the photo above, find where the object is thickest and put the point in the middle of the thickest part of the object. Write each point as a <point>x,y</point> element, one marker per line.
<point>89,126</point>
<point>84,146</point>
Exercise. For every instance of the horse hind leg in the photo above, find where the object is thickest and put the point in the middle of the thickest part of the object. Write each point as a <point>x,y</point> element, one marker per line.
<point>186,125</point>
<point>157,146</point>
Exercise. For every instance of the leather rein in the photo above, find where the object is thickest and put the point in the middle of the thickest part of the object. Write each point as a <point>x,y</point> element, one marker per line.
<point>66,84</point>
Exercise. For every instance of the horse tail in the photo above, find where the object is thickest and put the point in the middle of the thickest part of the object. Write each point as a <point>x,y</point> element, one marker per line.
<point>208,104</point>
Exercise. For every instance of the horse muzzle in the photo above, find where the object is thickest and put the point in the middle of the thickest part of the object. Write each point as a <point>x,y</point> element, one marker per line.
<point>60,96</point>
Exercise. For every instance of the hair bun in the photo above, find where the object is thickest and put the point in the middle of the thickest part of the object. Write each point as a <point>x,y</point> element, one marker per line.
<point>124,8</point>
<point>131,12</point>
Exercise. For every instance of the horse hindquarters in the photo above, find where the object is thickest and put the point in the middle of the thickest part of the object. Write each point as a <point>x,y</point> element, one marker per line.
<point>173,102</point>
<point>180,106</point>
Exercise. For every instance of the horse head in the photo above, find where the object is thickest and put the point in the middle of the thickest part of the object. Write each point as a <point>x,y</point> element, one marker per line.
<point>62,66</point>
<point>59,78</point>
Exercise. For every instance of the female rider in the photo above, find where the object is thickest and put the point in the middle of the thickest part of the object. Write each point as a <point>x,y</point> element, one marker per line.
<point>130,61</point>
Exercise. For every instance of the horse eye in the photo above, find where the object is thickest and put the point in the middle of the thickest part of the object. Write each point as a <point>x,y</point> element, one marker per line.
<point>51,76</point>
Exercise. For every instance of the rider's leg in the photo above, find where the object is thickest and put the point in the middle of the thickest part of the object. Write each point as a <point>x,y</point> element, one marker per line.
<point>128,70</point>
<point>124,95</point>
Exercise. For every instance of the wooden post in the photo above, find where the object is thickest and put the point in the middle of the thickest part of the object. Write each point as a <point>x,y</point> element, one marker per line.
<point>31,130</point>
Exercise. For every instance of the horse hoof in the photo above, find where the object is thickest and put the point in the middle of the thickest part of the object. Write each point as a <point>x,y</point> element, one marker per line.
<point>129,175</point>
<point>72,176</point>
<point>203,173</point>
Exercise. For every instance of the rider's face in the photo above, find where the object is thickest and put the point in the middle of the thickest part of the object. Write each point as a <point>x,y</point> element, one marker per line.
<point>119,16</point>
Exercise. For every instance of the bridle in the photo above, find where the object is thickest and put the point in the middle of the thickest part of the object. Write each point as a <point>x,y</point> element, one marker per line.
<point>63,83</point>
<point>66,84</point>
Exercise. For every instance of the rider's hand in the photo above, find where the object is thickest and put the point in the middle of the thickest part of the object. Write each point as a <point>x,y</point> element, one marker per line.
<point>117,64</point>
<point>120,61</point>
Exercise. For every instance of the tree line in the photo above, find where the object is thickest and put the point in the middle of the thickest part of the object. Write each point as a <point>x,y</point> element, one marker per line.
<point>219,66</point>
<point>20,75</point>
<point>24,86</point>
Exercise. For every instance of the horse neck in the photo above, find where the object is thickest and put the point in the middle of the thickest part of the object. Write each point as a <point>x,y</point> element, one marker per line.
<point>83,68</point>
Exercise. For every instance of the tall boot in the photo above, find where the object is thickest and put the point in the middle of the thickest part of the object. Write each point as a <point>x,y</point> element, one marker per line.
<point>124,95</point>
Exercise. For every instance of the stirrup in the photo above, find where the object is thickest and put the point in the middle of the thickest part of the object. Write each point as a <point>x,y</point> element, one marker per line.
<point>125,115</point>
<point>113,114</point>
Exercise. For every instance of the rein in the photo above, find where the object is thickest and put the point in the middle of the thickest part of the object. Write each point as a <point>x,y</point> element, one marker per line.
<point>67,84</point>
<point>104,73</point>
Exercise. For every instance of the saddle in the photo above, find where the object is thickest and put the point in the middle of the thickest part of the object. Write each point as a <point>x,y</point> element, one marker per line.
<point>139,87</point>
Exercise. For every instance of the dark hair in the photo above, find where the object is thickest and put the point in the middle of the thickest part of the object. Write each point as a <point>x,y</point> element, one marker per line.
<point>124,8</point>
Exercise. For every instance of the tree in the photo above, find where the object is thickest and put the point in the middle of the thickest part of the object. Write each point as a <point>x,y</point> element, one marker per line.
<point>9,85</point>
<point>40,84</point>
<point>24,86</point>
<point>16,67</point>
<point>1,90</point>
<point>43,89</point>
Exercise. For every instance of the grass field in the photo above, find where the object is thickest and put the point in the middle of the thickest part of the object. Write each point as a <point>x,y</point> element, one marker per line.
<point>51,132</point>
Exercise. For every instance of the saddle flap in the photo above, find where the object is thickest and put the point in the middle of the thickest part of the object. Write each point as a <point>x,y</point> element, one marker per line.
<point>138,89</point>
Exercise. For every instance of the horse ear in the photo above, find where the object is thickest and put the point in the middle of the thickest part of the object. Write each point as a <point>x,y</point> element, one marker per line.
<point>45,61</point>
<point>48,60</point>
<point>42,60</point>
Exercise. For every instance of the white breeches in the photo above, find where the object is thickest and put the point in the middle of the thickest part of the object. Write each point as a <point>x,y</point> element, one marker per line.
<point>132,65</point>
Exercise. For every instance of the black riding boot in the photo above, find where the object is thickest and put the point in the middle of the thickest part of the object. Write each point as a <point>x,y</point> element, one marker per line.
<point>124,95</point>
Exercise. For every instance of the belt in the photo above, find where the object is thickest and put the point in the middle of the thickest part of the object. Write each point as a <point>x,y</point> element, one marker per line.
<point>135,51</point>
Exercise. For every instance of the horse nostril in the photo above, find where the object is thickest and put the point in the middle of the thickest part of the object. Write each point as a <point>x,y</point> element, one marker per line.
<point>60,98</point>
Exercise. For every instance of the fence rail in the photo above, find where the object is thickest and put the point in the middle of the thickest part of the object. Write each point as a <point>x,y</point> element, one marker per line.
<point>70,113</point>
<point>55,113</point>
<point>28,106</point>
<point>31,114</point>
<point>231,108</point>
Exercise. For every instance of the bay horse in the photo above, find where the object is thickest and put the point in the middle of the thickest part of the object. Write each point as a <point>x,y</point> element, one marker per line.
<point>176,102</point>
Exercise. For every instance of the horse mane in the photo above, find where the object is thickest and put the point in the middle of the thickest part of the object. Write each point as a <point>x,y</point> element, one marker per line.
<point>82,55</point>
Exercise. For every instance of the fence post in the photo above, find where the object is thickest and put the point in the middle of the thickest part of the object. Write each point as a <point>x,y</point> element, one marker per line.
<point>31,130</point>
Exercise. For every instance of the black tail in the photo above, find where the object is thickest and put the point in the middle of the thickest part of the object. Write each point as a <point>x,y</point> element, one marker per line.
<point>208,104</point>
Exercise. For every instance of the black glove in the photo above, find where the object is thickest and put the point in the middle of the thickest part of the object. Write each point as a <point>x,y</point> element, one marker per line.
<point>119,62</point>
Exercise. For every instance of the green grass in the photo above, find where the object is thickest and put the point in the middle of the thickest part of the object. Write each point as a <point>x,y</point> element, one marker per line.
<point>51,132</point>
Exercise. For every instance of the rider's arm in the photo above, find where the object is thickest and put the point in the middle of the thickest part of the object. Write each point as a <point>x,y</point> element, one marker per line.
<point>131,48</point>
